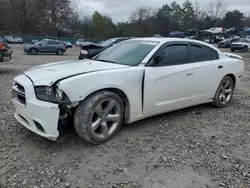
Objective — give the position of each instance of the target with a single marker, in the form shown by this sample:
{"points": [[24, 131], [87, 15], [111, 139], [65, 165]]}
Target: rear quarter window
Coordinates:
{"points": [[214, 54], [203, 53]]}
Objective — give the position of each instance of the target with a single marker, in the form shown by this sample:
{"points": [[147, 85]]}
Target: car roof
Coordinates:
{"points": [[173, 39]]}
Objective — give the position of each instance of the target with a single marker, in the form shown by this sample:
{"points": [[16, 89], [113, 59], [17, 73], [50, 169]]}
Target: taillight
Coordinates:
{"points": [[2, 46]]}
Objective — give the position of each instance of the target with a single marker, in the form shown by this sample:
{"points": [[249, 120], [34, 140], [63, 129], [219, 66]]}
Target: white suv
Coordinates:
{"points": [[17, 40], [216, 30], [243, 44]]}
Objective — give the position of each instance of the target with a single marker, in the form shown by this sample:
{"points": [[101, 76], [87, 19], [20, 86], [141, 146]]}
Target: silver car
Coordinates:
{"points": [[45, 46]]}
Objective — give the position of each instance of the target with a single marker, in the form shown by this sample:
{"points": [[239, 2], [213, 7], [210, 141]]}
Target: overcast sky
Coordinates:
{"points": [[119, 10]]}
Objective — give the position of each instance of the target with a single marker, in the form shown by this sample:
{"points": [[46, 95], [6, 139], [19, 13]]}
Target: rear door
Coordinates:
{"points": [[53, 46], [206, 72]]}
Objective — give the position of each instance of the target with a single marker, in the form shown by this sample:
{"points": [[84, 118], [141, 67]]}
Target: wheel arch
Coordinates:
{"points": [[33, 48], [121, 94], [233, 77]]}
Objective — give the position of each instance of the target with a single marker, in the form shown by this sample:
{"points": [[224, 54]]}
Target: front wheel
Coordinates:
{"points": [[232, 50], [99, 117], [245, 49], [224, 92], [33, 51]]}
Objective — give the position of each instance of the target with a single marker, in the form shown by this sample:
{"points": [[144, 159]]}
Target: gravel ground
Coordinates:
{"points": [[198, 147]]}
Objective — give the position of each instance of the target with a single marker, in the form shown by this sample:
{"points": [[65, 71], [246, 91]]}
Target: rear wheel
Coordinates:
{"points": [[99, 117], [33, 51], [224, 92], [59, 52], [232, 50], [1, 58]]}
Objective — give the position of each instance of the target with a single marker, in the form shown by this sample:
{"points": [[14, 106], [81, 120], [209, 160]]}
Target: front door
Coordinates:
{"points": [[43, 46], [168, 84]]}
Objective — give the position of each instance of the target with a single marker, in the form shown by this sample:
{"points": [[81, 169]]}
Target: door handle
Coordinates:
{"points": [[220, 67], [189, 73]]}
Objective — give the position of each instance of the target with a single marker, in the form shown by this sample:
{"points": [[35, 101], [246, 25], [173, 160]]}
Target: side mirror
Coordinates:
{"points": [[40, 44], [157, 59]]}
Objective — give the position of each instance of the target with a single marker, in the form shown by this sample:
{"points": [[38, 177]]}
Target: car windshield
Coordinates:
{"points": [[108, 42], [130, 52], [227, 40], [42, 42]]}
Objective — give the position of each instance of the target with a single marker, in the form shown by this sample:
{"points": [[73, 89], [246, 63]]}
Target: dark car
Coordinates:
{"points": [[45, 46], [5, 49], [89, 49], [227, 42]]}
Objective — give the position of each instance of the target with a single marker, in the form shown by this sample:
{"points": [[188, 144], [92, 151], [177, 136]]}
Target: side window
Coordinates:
{"points": [[53, 42], [175, 55], [214, 54], [200, 53]]}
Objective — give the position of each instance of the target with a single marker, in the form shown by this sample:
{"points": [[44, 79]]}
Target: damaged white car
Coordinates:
{"points": [[132, 80]]}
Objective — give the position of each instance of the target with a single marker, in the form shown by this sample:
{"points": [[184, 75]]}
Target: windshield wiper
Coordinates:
{"points": [[106, 61]]}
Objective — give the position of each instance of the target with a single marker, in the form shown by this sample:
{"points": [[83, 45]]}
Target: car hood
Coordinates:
{"points": [[91, 44], [238, 43], [224, 42], [50, 73]]}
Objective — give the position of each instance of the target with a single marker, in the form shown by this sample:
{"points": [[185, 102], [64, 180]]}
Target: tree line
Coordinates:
{"points": [[59, 18]]}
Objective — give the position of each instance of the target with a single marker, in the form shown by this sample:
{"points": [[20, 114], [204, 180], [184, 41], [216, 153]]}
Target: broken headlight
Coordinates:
{"points": [[51, 94], [84, 52]]}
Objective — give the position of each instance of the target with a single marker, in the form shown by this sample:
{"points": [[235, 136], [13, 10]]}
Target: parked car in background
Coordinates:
{"points": [[45, 46], [9, 39], [227, 42], [89, 49], [176, 34], [79, 42], [67, 44], [18, 40], [157, 35], [242, 44], [5, 50], [216, 30], [130, 81]]}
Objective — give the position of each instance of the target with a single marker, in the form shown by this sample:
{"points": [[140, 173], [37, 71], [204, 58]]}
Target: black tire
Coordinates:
{"points": [[84, 116], [1, 58], [244, 49], [232, 50], [33, 51], [217, 101], [59, 52]]}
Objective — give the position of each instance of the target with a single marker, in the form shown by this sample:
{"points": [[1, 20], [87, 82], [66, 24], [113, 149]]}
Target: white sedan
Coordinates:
{"points": [[130, 81]]}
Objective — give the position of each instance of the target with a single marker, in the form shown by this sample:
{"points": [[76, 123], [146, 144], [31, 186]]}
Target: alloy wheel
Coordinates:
{"points": [[105, 118], [226, 92]]}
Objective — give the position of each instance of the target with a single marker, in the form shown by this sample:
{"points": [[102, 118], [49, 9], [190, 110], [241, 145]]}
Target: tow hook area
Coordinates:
{"points": [[65, 119]]}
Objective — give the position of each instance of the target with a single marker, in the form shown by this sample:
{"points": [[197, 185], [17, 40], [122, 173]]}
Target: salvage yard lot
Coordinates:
{"points": [[198, 147]]}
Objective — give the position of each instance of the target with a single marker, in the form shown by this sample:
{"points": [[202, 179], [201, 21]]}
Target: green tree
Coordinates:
{"points": [[188, 19], [233, 19], [102, 26]]}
